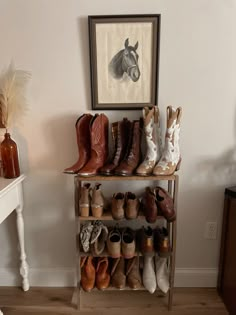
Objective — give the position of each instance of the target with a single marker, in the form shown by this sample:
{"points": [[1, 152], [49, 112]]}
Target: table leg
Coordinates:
{"points": [[24, 269]]}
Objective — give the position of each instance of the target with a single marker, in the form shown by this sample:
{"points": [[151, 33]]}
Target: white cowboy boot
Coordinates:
{"points": [[162, 275], [170, 159], [149, 277], [151, 118]]}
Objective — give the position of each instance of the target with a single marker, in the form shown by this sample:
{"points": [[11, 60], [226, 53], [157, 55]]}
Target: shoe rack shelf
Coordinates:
{"points": [[172, 180]]}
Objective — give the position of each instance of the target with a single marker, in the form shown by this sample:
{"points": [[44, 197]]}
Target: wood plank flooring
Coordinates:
{"points": [[56, 301]]}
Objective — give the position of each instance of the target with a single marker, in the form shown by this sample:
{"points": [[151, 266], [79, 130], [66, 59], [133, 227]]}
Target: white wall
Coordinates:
{"points": [[197, 71]]}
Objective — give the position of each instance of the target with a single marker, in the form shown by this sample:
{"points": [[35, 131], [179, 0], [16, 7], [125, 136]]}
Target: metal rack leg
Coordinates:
{"points": [[173, 242], [77, 185]]}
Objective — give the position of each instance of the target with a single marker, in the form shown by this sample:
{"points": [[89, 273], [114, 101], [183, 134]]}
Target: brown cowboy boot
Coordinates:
{"points": [[133, 154], [83, 142], [99, 145], [119, 136]]}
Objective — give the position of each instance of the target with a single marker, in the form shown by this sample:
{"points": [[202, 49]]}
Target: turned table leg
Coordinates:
{"points": [[24, 269]]}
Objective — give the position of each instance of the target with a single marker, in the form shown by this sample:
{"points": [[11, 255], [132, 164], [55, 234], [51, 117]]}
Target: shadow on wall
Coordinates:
{"points": [[60, 143], [23, 150], [221, 169], [84, 57]]}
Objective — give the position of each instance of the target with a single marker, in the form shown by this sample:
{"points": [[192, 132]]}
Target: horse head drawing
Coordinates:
{"points": [[125, 61]]}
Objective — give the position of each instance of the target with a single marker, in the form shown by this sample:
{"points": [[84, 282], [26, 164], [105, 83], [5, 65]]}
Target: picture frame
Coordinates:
{"points": [[124, 60]]}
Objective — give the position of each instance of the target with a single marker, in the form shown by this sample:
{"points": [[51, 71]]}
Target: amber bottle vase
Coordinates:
{"points": [[9, 155]]}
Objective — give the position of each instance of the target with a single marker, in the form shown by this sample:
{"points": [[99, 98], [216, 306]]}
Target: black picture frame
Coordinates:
{"points": [[113, 50]]}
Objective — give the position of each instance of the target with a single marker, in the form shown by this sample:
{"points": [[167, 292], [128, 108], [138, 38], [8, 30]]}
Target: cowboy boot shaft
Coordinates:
{"points": [[133, 153], [99, 139], [119, 131], [153, 140], [122, 140], [83, 142], [152, 134], [99, 145], [171, 158]]}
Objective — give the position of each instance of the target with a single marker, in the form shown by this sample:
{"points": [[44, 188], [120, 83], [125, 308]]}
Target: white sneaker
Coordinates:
{"points": [[162, 275], [149, 277]]}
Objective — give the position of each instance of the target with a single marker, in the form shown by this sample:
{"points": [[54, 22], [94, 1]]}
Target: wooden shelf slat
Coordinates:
{"points": [[108, 217], [124, 178]]}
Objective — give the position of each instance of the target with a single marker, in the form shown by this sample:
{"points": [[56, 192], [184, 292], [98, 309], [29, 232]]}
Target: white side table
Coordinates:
{"points": [[11, 198]]}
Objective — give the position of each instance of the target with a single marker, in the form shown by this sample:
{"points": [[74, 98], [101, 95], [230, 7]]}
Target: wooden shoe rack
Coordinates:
{"points": [[172, 182]]}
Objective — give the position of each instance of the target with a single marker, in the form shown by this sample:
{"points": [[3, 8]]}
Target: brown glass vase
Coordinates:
{"points": [[9, 155]]}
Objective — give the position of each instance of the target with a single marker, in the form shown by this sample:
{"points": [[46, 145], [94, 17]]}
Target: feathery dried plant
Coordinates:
{"points": [[13, 103]]}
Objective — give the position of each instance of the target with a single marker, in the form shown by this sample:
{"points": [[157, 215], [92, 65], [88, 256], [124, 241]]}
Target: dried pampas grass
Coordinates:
{"points": [[13, 103]]}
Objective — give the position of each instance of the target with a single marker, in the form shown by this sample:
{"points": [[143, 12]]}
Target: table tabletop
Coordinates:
{"points": [[6, 184]]}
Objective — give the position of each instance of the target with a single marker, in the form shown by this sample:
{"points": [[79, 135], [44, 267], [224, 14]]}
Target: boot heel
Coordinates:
{"points": [[97, 211], [84, 211]]}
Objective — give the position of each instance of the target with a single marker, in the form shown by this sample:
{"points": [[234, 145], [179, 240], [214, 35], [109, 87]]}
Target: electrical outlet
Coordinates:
{"points": [[211, 230]]}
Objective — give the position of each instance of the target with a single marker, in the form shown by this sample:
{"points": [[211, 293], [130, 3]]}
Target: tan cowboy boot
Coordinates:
{"points": [[152, 131], [170, 159], [118, 277], [133, 274]]}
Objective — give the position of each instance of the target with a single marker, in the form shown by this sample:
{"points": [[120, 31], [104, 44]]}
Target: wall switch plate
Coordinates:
{"points": [[211, 231]]}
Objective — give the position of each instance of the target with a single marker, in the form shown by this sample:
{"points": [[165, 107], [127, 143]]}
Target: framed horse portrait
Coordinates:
{"points": [[124, 60]]}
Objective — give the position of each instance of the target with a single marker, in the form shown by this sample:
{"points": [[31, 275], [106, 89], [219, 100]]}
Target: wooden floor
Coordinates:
{"points": [[52, 301]]}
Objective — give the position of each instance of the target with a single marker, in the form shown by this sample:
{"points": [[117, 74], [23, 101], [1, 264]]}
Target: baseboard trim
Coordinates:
{"points": [[198, 278], [65, 277]]}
